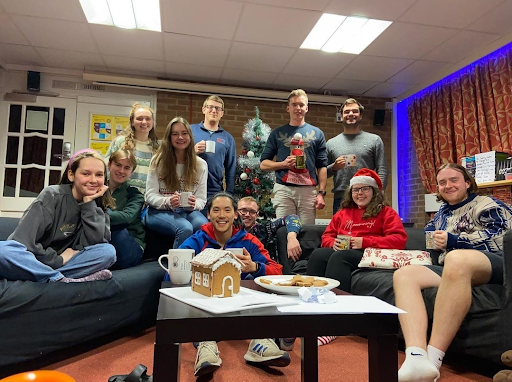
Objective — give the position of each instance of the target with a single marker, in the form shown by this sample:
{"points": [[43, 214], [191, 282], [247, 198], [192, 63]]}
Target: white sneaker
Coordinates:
{"points": [[207, 358], [266, 352]]}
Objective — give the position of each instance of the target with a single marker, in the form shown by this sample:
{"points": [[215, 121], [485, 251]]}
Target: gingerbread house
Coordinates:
{"points": [[216, 273]]}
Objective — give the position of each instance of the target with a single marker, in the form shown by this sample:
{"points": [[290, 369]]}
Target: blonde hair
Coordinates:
{"points": [[298, 93], [106, 201], [249, 199], [129, 141], [165, 160], [214, 98], [123, 154]]}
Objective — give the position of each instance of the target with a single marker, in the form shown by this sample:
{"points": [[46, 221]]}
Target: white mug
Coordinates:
{"points": [[236, 251], [184, 199], [179, 268], [210, 146]]}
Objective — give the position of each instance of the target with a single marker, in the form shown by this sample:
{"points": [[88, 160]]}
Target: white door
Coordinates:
{"points": [[31, 142]]}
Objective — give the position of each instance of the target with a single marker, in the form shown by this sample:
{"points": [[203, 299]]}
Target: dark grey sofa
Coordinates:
{"points": [[36, 319], [485, 333]]}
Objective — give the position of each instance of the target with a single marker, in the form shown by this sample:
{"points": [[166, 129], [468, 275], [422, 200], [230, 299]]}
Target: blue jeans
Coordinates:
{"points": [[336, 203], [180, 223], [17, 263], [129, 252]]}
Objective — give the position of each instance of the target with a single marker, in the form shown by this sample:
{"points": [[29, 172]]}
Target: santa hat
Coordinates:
{"points": [[366, 176]]}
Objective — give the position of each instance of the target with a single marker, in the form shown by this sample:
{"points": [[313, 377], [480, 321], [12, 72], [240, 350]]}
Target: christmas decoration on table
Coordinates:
{"points": [[251, 181]]}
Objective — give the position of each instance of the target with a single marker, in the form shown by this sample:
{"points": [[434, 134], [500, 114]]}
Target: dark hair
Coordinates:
{"points": [[351, 101], [372, 209], [222, 194], [473, 187]]}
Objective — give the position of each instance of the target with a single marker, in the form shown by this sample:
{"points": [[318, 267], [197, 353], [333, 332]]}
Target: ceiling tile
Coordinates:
{"points": [[9, 34], [372, 68], [459, 46], [497, 20], [292, 81], [402, 40], [20, 55], [57, 58], [315, 62], [317, 5], [377, 9], [258, 57], [195, 50], [180, 71], [53, 9], [134, 65], [418, 72], [201, 17], [58, 34], [263, 24], [453, 13], [343, 86], [249, 77], [388, 90], [128, 42]]}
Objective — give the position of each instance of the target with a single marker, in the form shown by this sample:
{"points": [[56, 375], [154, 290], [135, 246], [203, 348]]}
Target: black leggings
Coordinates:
{"points": [[337, 265]]}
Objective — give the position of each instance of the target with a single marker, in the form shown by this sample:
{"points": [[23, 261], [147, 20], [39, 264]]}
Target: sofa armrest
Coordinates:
{"points": [[7, 226], [507, 269]]}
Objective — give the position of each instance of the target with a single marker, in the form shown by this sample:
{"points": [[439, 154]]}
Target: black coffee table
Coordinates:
{"points": [[179, 323]]}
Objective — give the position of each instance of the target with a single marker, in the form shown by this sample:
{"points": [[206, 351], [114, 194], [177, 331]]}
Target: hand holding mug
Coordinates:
{"points": [[174, 200], [339, 163], [200, 147]]}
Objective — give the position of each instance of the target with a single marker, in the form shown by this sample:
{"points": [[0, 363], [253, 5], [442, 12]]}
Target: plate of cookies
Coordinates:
{"points": [[289, 284]]}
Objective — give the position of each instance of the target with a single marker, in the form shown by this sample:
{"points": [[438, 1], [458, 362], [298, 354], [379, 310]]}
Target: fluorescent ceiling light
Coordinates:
{"points": [[140, 14], [335, 33]]}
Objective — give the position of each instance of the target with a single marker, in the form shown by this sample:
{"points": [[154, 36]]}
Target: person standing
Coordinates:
{"points": [[141, 139], [221, 159], [297, 175], [368, 149]]}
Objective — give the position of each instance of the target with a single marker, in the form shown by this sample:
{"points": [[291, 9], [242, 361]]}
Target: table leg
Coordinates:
{"points": [[383, 358], [309, 359], [166, 364]]}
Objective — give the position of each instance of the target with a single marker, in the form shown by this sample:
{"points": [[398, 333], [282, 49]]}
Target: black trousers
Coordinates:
{"points": [[338, 265]]}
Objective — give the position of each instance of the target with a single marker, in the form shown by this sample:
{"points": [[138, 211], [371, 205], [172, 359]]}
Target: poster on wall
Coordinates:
{"points": [[100, 147], [107, 127]]}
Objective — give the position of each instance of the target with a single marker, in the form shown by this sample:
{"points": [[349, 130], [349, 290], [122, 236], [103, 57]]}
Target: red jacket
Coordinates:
{"points": [[382, 231]]}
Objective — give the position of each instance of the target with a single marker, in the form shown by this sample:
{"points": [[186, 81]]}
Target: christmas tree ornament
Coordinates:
{"points": [[256, 181], [250, 154], [247, 170], [243, 176], [258, 137], [247, 191], [244, 152]]}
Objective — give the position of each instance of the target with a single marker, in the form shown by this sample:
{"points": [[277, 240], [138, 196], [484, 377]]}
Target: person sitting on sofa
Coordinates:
{"points": [[126, 228], [176, 169], [223, 231], [468, 233], [367, 219], [63, 235]]}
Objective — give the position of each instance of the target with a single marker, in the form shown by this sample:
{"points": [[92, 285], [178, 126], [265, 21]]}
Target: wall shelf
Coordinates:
{"points": [[497, 183]]}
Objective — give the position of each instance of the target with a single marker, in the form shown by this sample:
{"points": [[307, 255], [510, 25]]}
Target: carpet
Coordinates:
{"points": [[344, 359]]}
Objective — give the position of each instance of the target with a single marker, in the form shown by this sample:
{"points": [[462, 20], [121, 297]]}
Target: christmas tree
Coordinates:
{"points": [[251, 181]]}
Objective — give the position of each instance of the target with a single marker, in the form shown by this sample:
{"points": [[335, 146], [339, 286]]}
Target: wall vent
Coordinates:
{"points": [[70, 85]]}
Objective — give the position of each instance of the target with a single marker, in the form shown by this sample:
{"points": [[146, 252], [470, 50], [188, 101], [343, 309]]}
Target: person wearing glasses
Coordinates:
{"points": [[367, 219], [220, 155], [367, 148], [248, 210]]}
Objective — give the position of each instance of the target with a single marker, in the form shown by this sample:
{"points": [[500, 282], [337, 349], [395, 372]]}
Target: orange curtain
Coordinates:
{"points": [[467, 113]]}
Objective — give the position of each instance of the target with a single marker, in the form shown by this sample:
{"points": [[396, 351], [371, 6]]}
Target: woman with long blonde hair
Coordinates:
{"points": [[176, 186], [141, 139]]}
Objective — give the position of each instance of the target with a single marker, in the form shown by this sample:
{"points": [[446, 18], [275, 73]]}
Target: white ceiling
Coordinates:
{"points": [[255, 43]]}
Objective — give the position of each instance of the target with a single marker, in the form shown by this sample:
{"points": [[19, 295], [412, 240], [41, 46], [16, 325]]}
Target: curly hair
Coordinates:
{"points": [[129, 133], [106, 201], [372, 209], [165, 160]]}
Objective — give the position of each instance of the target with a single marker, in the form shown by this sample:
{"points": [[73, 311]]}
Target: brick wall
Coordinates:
{"points": [[239, 111]]}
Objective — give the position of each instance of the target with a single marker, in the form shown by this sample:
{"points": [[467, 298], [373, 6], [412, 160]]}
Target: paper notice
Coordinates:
{"points": [[485, 167]]}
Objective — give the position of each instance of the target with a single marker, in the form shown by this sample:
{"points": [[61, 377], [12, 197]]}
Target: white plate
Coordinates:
{"points": [[290, 289]]}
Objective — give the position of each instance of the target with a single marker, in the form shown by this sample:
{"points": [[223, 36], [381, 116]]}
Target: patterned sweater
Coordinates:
{"points": [[479, 222]]}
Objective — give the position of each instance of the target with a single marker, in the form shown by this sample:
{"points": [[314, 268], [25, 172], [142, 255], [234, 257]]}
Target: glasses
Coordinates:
{"points": [[365, 189], [245, 211], [216, 108]]}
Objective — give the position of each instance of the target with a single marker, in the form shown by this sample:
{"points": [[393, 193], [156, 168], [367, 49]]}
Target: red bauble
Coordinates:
{"points": [[247, 170], [256, 181], [244, 152], [247, 191], [257, 137]]}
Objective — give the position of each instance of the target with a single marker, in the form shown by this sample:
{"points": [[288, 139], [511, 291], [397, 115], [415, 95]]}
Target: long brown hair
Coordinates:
{"points": [[165, 160], [106, 201], [129, 133], [473, 187], [372, 209]]}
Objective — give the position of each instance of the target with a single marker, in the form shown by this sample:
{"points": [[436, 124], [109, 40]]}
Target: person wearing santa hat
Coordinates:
{"points": [[367, 219]]}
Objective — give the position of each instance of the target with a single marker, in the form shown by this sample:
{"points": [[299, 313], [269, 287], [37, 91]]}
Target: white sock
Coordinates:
{"points": [[417, 367], [435, 356]]}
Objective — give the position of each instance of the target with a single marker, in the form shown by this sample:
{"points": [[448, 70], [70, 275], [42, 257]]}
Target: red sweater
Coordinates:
{"points": [[382, 231]]}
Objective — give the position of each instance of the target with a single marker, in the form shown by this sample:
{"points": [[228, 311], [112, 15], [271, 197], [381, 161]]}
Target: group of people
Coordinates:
{"points": [[94, 220]]}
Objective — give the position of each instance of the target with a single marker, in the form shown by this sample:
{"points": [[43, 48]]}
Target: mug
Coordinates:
{"points": [[350, 160], [178, 262], [344, 242], [184, 198], [210, 147], [429, 240], [236, 251]]}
